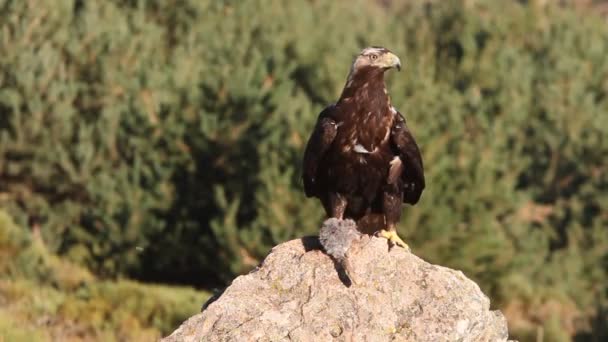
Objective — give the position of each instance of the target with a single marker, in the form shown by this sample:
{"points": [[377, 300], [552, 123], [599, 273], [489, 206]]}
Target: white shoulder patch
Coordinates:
{"points": [[360, 149]]}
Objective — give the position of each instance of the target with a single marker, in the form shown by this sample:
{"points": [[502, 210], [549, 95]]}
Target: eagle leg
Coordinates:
{"points": [[391, 205], [335, 205]]}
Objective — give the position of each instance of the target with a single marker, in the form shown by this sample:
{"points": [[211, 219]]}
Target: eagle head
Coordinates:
{"points": [[377, 58]]}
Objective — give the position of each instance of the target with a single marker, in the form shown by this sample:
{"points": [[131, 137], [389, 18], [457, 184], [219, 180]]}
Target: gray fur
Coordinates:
{"points": [[337, 235]]}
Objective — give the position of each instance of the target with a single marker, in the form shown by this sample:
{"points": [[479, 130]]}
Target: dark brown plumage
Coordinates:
{"points": [[361, 159]]}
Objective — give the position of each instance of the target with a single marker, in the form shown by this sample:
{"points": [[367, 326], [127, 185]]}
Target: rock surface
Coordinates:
{"points": [[296, 295]]}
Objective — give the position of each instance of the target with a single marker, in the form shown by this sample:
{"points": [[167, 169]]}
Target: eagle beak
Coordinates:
{"points": [[392, 61]]}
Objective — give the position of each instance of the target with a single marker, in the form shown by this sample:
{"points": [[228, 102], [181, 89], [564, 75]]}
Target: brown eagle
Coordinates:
{"points": [[361, 159]]}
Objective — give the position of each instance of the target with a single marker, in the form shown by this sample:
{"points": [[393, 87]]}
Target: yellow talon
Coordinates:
{"points": [[393, 238]]}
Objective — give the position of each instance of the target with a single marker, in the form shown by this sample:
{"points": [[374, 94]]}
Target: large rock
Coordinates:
{"points": [[296, 294]]}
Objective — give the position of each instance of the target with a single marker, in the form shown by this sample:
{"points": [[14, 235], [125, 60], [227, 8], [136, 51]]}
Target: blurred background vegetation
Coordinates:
{"points": [[159, 142]]}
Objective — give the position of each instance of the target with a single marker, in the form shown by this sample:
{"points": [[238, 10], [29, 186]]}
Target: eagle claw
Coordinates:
{"points": [[393, 239]]}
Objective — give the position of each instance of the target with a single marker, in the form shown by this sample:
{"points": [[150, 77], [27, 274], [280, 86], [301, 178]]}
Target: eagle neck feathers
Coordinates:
{"points": [[365, 110], [366, 89]]}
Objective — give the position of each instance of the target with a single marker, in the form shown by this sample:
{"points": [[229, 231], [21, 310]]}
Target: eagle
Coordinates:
{"points": [[361, 159]]}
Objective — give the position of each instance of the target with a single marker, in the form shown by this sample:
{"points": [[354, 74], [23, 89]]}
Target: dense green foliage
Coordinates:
{"points": [[46, 298], [162, 140]]}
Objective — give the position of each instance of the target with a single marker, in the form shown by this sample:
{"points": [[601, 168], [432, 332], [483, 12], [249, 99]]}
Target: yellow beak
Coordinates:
{"points": [[390, 60]]}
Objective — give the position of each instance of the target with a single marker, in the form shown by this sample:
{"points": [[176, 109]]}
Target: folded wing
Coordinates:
{"points": [[318, 144], [412, 171]]}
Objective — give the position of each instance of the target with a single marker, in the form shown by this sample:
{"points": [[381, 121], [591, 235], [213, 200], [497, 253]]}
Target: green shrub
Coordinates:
{"points": [[47, 297], [14, 332]]}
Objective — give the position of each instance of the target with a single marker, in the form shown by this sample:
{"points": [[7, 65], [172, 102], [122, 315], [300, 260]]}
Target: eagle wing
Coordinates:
{"points": [[320, 140], [412, 171]]}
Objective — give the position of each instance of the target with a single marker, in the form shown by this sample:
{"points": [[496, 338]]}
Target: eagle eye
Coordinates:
{"points": [[373, 57]]}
